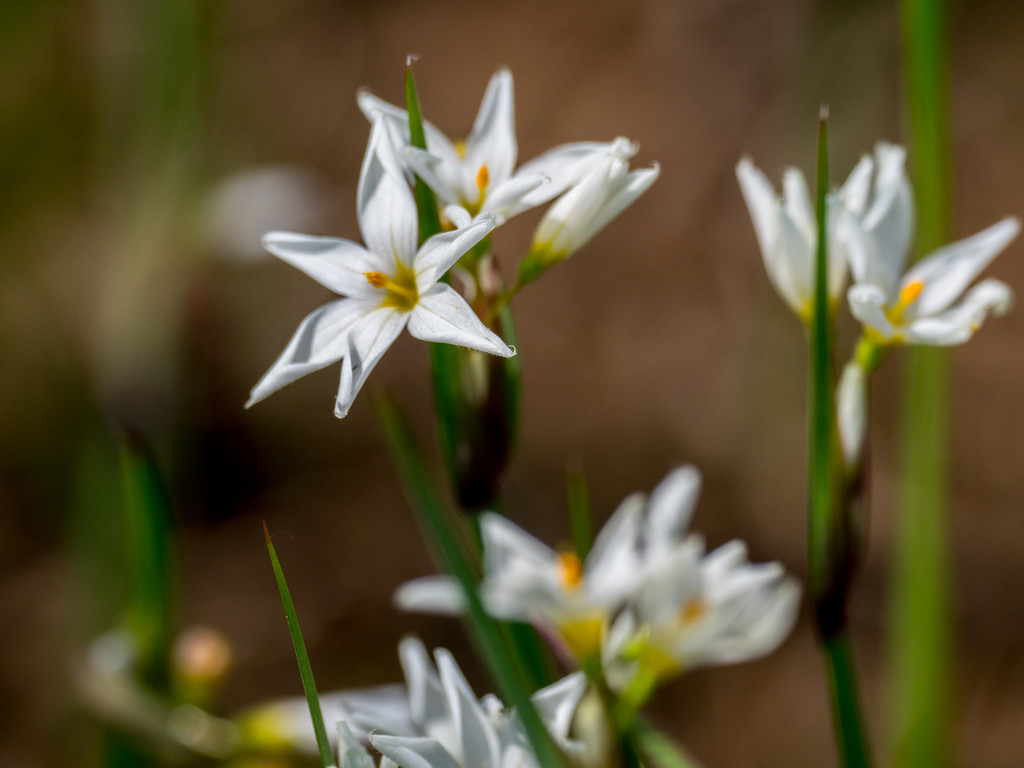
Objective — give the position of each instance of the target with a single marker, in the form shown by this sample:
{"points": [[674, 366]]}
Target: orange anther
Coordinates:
{"points": [[693, 610], [377, 279], [570, 569], [910, 292], [483, 178]]}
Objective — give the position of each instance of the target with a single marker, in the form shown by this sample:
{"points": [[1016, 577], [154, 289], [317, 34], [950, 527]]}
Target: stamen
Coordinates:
{"points": [[460, 148], [570, 570], [483, 178], [693, 610], [377, 279], [910, 292]]}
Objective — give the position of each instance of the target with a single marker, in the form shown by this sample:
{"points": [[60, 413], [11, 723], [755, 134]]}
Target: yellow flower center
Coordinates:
{"points": [[908, 295], [693, 610], [460, 148], [583, 635], [399, 290]]}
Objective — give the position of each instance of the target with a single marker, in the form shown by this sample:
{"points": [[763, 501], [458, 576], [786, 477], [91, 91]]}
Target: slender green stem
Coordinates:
{"points": [[921, 643], [831, 551], [846, 713]]}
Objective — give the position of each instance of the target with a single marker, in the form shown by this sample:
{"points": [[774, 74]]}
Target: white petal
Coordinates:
{"points": [[458, 216], [611, 567], [890, 219], [505, 542], [427, 700], [386, 210], [431, 594], [413, 753], [851, 412], [384, 707], [867, 304], [510, 198], [670, 507], [637, 182], [434, 172], [763, 206], [567, 164], [945, 273], [442, 315], [398, 121], [351, 753], [320, 340], [797, 203], [368, 340], [556, 704], [477, 739], [854, 193], [492, 142], [957, 324], [791, 266], [440, 252], [340, 265]]}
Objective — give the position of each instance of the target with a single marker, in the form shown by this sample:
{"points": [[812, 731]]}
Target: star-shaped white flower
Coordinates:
{"points": [[479, 174], [446, 726], [696, 610], [787, 230], [571, 601], [920, 306], [387, 286]]}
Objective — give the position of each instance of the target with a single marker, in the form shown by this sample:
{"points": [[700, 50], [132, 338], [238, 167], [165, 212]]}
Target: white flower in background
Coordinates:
{"points": [[787, 230], [920, 306], [852, 411], [697, 610], [574, 601], [446, 726], [387, 286], [479, 174], [607, 189]]}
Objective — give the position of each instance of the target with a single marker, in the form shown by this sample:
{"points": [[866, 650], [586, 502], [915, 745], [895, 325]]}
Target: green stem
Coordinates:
{"points": [[921, 643], [831, 552], [846, 715]]}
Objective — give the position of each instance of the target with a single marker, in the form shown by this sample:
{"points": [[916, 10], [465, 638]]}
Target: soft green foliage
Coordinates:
{"points": [[921, 653], [305, 668], [449, 548]]}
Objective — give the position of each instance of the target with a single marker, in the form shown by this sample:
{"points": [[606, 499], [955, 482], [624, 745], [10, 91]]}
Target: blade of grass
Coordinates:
{"points": [[437, 526], [426, 202], [829, 550], [305, 668], [921, 643], [148, 526], [580, 523]]}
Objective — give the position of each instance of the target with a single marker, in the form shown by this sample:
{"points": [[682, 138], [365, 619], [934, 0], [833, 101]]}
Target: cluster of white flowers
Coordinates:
{"points": [[647, 602], [442, 724], [391, 284], [870, 225]]}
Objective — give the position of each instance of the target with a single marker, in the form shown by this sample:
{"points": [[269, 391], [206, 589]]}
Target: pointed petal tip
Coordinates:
{"points": [[411, 58]]}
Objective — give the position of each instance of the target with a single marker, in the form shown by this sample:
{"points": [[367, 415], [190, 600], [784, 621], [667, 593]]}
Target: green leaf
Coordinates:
{"points": [[449, 548], [658, 749], [831, 552], [305, 668], [426, 202], [580, 522], [149, 530]]}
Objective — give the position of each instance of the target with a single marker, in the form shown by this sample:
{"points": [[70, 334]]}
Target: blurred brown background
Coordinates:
{"points": [[145, 146]]}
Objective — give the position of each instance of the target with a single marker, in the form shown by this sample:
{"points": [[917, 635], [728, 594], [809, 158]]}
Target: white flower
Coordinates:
{"points": [[852, 411], [479, 174], [446, 726], [574, 601], [387, 286], [918, 306], [787, 230], [696, 610], [607, 189]]}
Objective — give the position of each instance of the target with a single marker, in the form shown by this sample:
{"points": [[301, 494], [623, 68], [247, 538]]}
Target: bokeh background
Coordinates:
{"points": [[144, 148]]}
